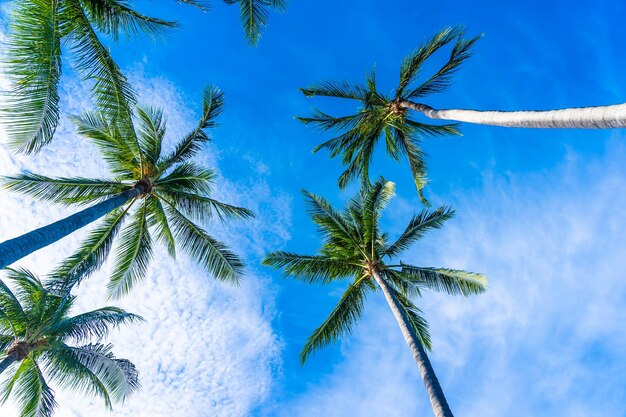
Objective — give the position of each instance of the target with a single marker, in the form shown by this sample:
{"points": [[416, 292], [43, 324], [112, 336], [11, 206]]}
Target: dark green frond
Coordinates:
{"points": [[412, 64], [31, 112], [115, 16], [93, 324], [418, 226], [150, 132], [112, 91], [188, 177], [132, 255], [118, 377], [92, 252], [340, 321], [157, 220], [121, 155], [415, 318], [66, 191], [34, 397], [451, 281], [310, 269], [202, 208], [339, 89], [443, 77], [212, 107], [254, 15], [202, 5], [216, 258]]}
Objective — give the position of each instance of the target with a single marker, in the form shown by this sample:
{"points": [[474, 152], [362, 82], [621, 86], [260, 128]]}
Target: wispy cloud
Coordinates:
{"points": [[206, 348], [548, 336]]}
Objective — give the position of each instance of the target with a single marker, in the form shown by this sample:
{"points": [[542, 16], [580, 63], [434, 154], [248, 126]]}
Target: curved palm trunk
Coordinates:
{"points": [[601, 117], [15, 249], [437, 398]]}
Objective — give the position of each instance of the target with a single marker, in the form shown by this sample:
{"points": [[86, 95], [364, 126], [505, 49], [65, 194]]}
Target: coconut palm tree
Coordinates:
{"points": [[162, 194], [37, 337], [355, 248], [392, 115], [39, 30]]}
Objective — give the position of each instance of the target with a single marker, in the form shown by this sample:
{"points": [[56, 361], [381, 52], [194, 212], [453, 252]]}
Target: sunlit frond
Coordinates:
{"points": [[66, 191], [340, 321], [311, 269], [450, 281], [31, 112]]}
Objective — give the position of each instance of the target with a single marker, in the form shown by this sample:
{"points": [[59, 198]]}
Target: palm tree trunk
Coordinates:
{"points": [[433, 388], [6, 362], [15, 249], [601, 117]]}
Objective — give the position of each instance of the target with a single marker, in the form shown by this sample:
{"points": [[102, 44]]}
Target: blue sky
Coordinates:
{"points": [[539, 211]]}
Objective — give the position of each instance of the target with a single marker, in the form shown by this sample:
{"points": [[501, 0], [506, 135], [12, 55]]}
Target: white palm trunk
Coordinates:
{"points": [[601, 117], [433, 388]]}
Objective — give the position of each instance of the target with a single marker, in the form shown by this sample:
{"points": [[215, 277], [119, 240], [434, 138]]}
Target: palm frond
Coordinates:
{"points": [[254, 15], [188, 177], [132, 255], [157, 220], [150, 129], [34, 397], [202, 208], [66, 191], [92, 252], [418, 226], [212, 107], [122, 157], [118, 376], [409, 69], [216, 258], [93, 324], [450, 281], [340, 321], [32, 110], [310, 269], [329, 220], [439, 81], [374, 202], [114, 16], [338, 89], [414, 316], [113, 93], [201, 5]]}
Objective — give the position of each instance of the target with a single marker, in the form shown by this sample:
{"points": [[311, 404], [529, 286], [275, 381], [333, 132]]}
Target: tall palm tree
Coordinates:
{"points": [[355, 248], [161, 194], [37, 337], [39, 30], [392, 115]]}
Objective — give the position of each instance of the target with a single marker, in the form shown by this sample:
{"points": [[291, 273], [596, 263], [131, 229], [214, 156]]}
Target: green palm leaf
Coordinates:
{"points": [[450, 281], [132, 255], [340, 321], [310, 269], [62, 190], [216, 258], [34, 65]]}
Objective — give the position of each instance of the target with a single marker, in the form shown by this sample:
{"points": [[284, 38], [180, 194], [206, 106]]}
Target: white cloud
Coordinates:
{"points": [[548, 336], [206, 348]]}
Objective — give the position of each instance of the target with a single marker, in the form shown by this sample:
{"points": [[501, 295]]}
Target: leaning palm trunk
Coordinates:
{"points": [[437, 398], [15, 249], [601, 117]]}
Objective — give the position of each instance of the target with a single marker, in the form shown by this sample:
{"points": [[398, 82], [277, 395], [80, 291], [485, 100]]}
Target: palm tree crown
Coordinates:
{"points": [[37, 337], [354, 247], [173, 193], [382, 115], [39, 30]]}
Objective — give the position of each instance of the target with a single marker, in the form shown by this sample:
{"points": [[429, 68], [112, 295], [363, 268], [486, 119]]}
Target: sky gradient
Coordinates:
{"points": [[540, 212]]}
